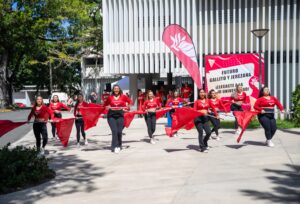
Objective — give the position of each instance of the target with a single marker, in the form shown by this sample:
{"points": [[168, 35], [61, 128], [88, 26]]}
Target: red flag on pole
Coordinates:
{"points": [[64, 129], [91, 115], [243, 118], [128, 117], [181, 44], [162, 112], [8, 125], [182, 117]]}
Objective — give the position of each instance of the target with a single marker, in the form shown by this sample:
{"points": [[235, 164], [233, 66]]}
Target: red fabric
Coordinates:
{"points": [[7, 125], [91, 115], [79, 106], [240, 97], [58, 106], [204, 105], [64, 129], [44, 113], [141, 99], [218, 104], [190, 125], [243, 118], [181, 44], [148, 104], [128, 117], [162, 112], [263, 102], [182, 117], [175, 102], [186, 92], [104, 97], [122, 101]]}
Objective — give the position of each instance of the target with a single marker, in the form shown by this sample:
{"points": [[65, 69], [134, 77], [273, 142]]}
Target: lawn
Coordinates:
{"points": [[281, 124]]}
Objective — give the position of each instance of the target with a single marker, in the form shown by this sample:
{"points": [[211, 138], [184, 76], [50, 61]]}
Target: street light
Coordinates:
{"points": [[260, 33]]}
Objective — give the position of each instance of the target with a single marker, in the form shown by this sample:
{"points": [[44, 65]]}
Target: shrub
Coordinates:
{"points": [[21, 167], [296, 105]]}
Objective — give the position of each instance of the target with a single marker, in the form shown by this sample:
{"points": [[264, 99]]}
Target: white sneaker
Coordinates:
{"points": [[42, 151], [238, 131], [175, 135], [269, 143], [78, 144], [117, 150], [86, 142], [152, 141], [217, 138]]}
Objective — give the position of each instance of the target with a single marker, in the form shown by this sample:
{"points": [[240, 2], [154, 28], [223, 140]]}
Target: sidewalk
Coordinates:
{"points": [[171, 171]]}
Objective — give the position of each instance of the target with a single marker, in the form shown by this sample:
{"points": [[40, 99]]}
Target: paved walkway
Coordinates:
{"points": [[171, 171]]}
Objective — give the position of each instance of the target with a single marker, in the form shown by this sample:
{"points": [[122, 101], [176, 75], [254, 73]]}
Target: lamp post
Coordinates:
{"points": [[260, 33]]}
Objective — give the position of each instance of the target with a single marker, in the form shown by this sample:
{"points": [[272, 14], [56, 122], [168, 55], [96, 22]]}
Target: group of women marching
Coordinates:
{"points": [[117, 104]]}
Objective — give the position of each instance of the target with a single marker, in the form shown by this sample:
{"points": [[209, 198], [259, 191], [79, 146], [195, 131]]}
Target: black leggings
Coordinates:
{"points": [[150, 119], [40, 129], [202, 123], [116, 123], [216, 124], [269, 124], [79, 123], [53, 125], [236, 107]]}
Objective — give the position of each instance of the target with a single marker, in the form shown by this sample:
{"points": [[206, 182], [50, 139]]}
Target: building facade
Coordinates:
{"points": [[133, 36]]}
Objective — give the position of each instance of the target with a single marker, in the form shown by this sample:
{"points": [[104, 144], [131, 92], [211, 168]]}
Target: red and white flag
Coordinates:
{"points": [[181, 44]]}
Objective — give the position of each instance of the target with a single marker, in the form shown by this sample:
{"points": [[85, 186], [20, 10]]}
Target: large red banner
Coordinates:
{"points": [[224, 72]]}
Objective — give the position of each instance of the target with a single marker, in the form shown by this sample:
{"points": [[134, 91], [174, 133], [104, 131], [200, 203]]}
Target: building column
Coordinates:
{"points": [[133, 87], [148, 82]]}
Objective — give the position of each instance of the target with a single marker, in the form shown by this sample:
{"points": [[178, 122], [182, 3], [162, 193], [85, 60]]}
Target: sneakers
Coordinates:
{"points": [[78, 144], [117, 150], [86, 142], [204, 150], [269, 143], [42, 152], [175, 135], [215, 137], [238, 131], [152, 141]]}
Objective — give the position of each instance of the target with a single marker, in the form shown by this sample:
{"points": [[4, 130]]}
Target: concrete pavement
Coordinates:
{"points": [[172, 171]]}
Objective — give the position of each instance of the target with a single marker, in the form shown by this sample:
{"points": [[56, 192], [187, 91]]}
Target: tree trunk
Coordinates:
{"points": [[4, 101]]}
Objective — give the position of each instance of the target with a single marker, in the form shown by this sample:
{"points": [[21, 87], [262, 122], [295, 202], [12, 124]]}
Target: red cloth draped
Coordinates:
{"points": [[243, 118], [7, 125], [162, 112], [91, 115], [64, 129], [182, 117], [128, 117]]}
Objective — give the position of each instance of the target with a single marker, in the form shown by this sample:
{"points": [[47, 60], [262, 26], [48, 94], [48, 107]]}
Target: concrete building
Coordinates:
{"points": [[133, 32]]}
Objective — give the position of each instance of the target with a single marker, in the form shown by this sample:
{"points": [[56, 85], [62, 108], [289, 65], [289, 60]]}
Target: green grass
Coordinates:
{"points": [[281, 124]]}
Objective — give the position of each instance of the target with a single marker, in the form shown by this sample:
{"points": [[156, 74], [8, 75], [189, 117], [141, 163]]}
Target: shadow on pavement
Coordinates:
{"points": [[290, 131], [73, 175], [255, 143], [287, 186], [235, 146]]}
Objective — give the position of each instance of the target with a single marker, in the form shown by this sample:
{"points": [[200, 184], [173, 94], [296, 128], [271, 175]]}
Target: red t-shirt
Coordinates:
{"points": [[104, 97], [121, 102], [204, 105], [58, 106], [240, 97], [175, 102], [217, 104], [148, 104], [80, 105], [169, 96], [186, 92], [44, 113], [141, 97], [263, 102]]}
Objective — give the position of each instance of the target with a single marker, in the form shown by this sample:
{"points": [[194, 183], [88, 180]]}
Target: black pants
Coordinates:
{"points": [[236, 107], [116, 123], [79, 123], [269, 124], [53, 125], [150, 119], [202, 123], [40, 129], [216, 124]]}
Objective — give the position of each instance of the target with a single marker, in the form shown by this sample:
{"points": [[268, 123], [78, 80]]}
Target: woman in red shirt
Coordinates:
{"points": [[238, 98], [79, 123], [265, 104], [202, 105], [41, 115], [218, 106], [150, 106], [116, 104], [56, 106]]}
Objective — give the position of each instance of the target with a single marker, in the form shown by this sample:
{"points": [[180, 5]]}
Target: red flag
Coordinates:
{"points": [[243, 118], [91, 115], [64, 129], [182, 117], [162, 112], [128, 117], [181, 44], [7, 125]]}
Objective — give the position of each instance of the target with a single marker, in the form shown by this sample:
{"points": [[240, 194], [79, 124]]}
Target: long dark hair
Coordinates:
{"points": [[35, 100], [210, 93], [199, 94], [261, 92], [77, 100], [53, 98], [112, 91]]}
